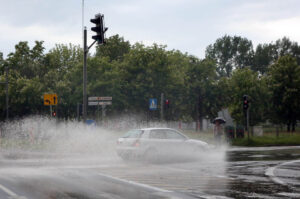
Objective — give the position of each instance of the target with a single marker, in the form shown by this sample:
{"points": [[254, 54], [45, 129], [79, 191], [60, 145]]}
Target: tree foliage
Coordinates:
{"points": [[230, 53], [131, 74], [284, 82]]}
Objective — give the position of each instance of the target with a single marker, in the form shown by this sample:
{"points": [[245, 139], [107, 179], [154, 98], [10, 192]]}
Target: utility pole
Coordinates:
{"points": [[161, 107]]}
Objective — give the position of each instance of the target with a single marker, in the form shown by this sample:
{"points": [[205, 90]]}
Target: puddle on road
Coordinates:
{"points": [[248, 168]]}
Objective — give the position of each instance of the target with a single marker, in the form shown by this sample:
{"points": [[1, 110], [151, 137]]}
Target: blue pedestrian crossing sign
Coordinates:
{"points": [[152, 104]]}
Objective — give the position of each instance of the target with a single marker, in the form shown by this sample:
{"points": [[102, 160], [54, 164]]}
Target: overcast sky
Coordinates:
{"points": [[185, 25]]}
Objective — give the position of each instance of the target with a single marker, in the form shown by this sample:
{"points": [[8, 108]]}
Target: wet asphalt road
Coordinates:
{"points": [[232, 173]]}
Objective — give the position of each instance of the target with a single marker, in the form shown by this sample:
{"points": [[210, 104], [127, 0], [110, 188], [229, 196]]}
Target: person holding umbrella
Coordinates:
{"points": [[218, 129]]}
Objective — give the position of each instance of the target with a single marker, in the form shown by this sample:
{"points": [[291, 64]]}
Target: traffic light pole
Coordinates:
{"points": [[85, 51], [248, 119], [99, 38]]}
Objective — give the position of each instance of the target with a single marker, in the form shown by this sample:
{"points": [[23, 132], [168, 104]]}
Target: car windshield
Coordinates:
{"points": [[135, 133]]}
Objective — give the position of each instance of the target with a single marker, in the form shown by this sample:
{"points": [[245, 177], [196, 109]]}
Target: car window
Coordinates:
{"points": [[157, 134], [133, 134], [174, 135]]}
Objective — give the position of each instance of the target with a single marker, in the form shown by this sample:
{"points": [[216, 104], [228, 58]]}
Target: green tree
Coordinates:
{"points": [[284, 82], [115, 48], [248, 82], [286, 47], [25, 61], [230, 53], [268, 54], [64, 77], [104, 80], [264, 56], [200, 79], [1, 63], [145, 73]]}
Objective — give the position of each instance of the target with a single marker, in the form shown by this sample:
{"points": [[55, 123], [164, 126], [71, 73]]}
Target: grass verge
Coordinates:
{"points": [[269, 140]]}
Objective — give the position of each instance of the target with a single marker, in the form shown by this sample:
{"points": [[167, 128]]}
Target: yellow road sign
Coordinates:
{"points": [[50, 99]]}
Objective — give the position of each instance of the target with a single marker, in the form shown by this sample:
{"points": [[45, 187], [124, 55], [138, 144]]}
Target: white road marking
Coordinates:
{"points": [[11, 194], [135, 183], [292, 195], [270, 172]]}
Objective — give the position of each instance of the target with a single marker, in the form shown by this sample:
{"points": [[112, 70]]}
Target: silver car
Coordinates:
{"points": [[158, 143]]}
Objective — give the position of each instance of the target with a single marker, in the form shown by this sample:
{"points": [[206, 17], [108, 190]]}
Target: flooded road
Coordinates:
{"points": [[232, 173], [270, 172]]}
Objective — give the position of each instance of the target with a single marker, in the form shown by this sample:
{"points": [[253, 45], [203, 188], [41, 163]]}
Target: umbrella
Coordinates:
{"points": [[220, 120]]}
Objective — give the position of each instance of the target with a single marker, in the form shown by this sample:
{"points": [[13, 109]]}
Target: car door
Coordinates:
{"points": [[176, 142], [157, 142]]}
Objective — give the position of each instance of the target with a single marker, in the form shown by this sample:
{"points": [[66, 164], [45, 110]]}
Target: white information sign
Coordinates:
{"points": [[100, 98], [99, 103]]}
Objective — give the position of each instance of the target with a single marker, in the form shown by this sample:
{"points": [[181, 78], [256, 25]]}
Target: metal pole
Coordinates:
{"points": [[162, 107], [6, 88], [50, 110], [103, 111], [98, 116], [84, 105], [246, 127], [248, 120], [77, 111]]}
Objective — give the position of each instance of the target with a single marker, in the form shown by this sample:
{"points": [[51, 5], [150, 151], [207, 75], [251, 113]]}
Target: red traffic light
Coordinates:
{"points": [[167, 103], [53, 113], [245, 102]]}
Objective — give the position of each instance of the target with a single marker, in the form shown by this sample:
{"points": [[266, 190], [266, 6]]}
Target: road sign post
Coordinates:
{"points": [[50, 110], [161, 107], [50, 100], [152, 104], [100, 101]]}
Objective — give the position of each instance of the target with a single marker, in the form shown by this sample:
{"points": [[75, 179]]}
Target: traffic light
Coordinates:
{"points": [[245, 102], [99, 29], [54, 114], [167, 104]]}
